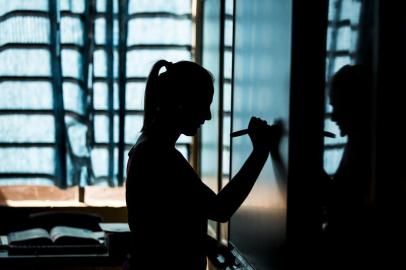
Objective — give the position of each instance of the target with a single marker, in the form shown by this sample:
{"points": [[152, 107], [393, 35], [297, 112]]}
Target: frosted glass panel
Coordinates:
{"points": [[135, 96], [140, 62], [27, 160], [76, 6], [7, 5], [159, 31], [178, 6], [332, 160], [72, 29], [101, 127], [71, 63], [25, 62], [133, 124], [24, 30], [73, 97], [27, 128], [27, 95]]}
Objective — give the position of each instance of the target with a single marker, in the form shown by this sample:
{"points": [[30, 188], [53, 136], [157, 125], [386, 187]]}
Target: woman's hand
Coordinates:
{"points": [[263, 136], [259, 134]]}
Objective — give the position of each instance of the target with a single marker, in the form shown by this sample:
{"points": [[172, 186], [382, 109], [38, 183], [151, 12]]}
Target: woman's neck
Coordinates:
{"points": [[166, 136]]}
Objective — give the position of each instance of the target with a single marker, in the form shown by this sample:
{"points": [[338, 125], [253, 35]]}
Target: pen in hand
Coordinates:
{"points": [[246, 131]]}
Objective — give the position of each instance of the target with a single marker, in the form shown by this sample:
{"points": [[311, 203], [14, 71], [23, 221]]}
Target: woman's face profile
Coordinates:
{"points": [[195, 112]]}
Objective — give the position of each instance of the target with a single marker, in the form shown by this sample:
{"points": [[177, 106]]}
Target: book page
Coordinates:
{"points": [[31, 236], [115, 227], [72, 235]]}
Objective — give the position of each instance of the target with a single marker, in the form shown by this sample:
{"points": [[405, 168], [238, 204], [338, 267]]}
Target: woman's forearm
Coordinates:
{"points": [[236, 191]]}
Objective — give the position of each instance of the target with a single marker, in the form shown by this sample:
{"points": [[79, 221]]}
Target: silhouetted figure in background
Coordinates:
{"points": [[168, 204], [350, 230]]}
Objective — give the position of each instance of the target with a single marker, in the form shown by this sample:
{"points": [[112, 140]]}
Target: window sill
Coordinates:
{"points": [[50, 196]]}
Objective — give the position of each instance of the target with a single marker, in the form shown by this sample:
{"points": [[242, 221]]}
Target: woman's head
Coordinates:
{"points": [[179, 97], [351, 98]]}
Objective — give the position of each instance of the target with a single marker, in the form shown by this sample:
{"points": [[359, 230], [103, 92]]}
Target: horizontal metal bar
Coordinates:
{"points": [[343, 23], [38, 79], [25, 46], [26, 144], [26, 175], [127, 145], [127, 112], [24, 13], [41, 46], [68, 13], [146, 15], [335, 146], [226, 113], [25, 78], [341, 53], [128, 79], [188, 47], [159, 47], [228, 48]]}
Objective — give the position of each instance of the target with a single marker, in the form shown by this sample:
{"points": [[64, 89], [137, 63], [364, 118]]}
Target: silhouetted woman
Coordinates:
{"points": [[350, 223], [168, 204]]}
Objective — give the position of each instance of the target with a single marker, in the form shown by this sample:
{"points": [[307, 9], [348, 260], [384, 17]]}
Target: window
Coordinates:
{"points": [[72, 77], [342, 39]]}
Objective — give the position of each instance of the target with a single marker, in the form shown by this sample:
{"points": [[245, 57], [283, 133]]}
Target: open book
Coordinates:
{"points": [[59, 235], [58, 240]]}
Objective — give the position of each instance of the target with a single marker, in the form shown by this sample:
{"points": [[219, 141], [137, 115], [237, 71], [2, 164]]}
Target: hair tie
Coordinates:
{"points": [[168, 65]]}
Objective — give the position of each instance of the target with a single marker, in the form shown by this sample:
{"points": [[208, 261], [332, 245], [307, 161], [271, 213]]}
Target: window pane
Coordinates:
{"points": [[140, 62], [133, 124], [7, 6], [159, 31], [27, 128], [72, 30], [27, 160], [77, 134], [183, 150], [22, 62], [227, 97], [100, 96], [178, 7], [76, 6], [25, 95], [100, 164], [228, 32], [71, 63], [101, 128], [24, 30], [134, 98], [228, 57], [73, 97]]}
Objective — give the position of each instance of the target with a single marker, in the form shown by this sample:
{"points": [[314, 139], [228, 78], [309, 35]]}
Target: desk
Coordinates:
{"points": [[114, 258], [56, 262]]}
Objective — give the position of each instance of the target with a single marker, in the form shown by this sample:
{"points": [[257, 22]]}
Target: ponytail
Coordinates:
{"points": [[150, 97]]}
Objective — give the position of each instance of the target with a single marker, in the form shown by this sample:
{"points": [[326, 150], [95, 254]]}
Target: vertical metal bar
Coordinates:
{"points": [[56, 67], [122, 54], [221, 96], [88, 27], [232, 100], [110, 87], [221, 105], [198, 24], [89, 82]]}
